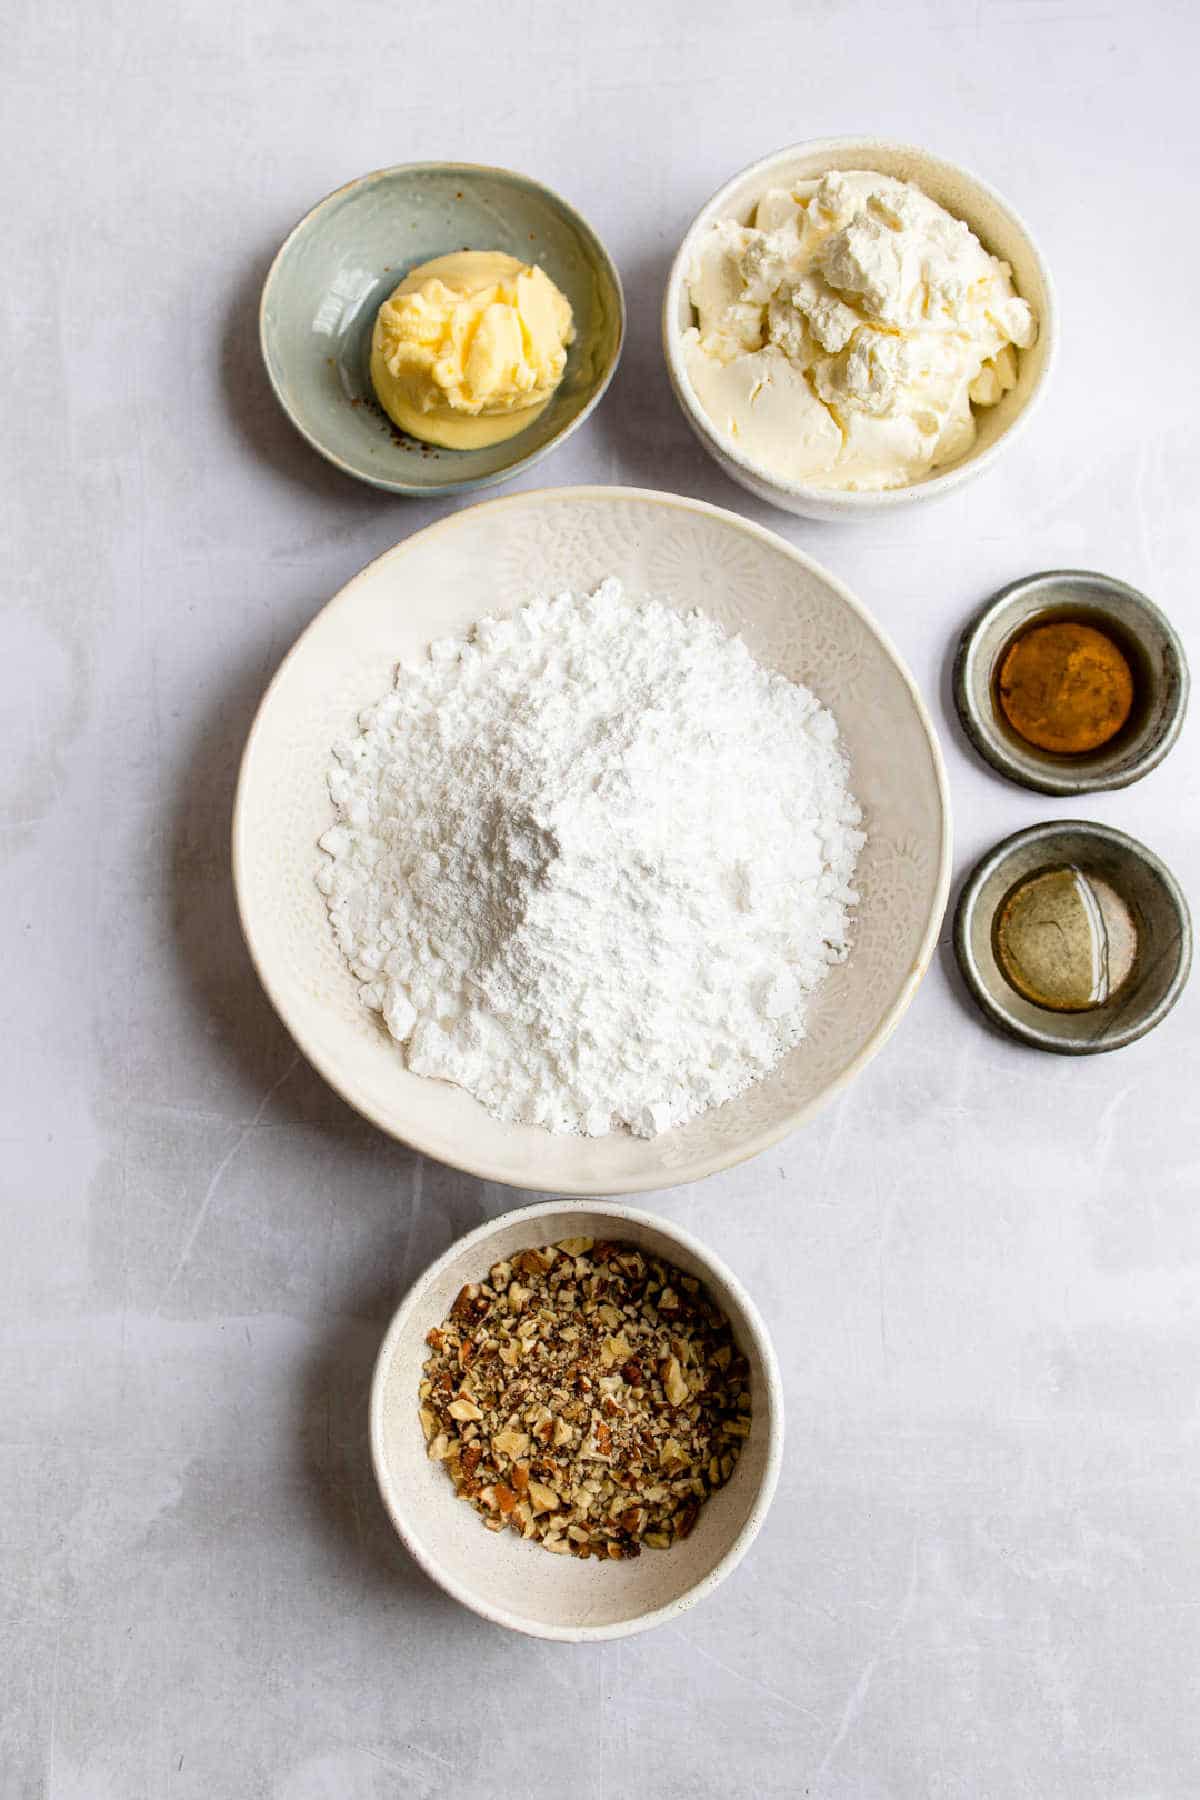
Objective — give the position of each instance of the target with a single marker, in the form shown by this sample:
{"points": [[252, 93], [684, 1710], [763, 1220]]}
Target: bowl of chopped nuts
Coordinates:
{"points": [[588, 1382]]}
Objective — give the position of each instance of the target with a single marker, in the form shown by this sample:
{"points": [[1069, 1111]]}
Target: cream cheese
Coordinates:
{"points": [[843, 338]]}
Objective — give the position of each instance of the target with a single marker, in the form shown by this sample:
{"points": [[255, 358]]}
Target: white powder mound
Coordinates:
{"points": [[591, 861]]}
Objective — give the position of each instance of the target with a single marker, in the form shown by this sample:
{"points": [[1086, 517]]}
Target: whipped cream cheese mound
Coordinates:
{"points": [[844, 336]]}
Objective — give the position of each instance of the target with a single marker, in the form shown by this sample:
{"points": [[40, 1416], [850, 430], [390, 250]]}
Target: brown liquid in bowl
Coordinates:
{"points": [[1065, 686]]}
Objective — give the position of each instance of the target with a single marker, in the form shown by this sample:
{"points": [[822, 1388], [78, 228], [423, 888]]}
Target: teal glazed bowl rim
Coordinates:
{"points": [[459, 484]]}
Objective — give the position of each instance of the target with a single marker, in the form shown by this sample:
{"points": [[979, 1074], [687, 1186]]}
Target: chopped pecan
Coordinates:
{"points": [[470, 1459], [686, 1518], [470, 1306], [589, 1396]]}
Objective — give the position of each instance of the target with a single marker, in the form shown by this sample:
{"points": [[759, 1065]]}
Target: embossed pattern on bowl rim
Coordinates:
{"points": [[794, 616]]}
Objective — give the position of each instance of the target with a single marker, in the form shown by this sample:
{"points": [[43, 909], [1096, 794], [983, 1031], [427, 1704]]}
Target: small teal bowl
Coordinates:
{"points": [[344, 258]]}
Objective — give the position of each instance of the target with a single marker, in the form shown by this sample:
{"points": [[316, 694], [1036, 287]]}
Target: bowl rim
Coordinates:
{"points": [[838, 500], [1051, 777], [1030, 1035], [768, 1481], [464, 485], [698, 1168]]}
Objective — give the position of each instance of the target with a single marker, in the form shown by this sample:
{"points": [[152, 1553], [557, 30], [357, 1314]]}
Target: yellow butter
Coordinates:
{"points": [[469, 348]]}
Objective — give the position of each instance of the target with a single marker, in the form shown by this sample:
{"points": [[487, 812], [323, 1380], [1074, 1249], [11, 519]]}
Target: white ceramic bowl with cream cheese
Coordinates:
{"points": [[498, 1575], [962, 194]]}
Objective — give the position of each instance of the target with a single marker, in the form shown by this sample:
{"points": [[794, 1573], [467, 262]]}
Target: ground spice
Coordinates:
{"points": [[1065, 686]]}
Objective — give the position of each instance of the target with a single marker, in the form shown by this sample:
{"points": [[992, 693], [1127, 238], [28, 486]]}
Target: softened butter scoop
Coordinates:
{"points": [[469, 348]]}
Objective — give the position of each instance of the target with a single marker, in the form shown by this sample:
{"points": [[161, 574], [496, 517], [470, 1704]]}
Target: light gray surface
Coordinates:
{"points": [[982, 1573]]}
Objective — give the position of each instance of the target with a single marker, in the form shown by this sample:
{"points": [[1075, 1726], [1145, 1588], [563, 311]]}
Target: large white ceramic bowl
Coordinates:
{"points": [[794, 616], [994, 222], [519, 1584]]}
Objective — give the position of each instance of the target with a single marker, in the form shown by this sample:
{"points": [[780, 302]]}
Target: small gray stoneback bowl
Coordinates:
{"points": [[347, 255]]}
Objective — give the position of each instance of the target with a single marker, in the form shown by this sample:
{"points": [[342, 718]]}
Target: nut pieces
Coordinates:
{"points": [[588, 1396]]}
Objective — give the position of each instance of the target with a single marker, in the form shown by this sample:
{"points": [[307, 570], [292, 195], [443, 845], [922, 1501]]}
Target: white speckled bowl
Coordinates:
{"points": [[1000, 230], [793, 615], [519, 1584]]}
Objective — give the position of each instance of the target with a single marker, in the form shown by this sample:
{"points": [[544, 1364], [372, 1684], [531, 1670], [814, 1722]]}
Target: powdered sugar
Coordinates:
{"points": [[591, 861]]}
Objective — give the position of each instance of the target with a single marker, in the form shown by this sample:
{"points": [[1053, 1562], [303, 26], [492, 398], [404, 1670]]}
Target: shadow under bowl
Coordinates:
{"points": [[346, 256]]}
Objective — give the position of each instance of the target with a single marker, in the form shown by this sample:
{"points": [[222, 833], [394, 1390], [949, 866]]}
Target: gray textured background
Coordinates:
{"points": [[981, 1576]]}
